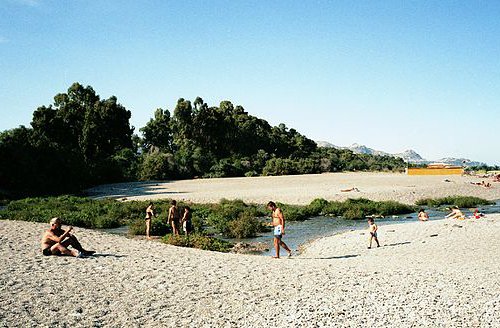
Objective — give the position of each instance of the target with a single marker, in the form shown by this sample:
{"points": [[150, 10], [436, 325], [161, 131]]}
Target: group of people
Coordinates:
{"points": [[56, 241], [175, 219]]}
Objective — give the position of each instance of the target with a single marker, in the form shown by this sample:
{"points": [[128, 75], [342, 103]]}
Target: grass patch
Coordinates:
{"points": [[198, 241], [460, 201], [349, 209]]}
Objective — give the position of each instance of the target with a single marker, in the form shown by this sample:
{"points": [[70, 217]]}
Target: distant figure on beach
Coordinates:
{"points": [[372, 228], [149, 216], [55, 241], [173, 217], [477, 214], [422, 216], [455, 214], [278, 222], [186, 221], [350, 189]]}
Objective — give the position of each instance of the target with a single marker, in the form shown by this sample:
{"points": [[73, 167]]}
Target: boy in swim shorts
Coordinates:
{"points": [[372, 228]]}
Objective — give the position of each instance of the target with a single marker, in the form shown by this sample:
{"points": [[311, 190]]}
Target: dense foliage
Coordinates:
{"points": [[82, 140], [199, 241], [460, 201], [349, 209]]}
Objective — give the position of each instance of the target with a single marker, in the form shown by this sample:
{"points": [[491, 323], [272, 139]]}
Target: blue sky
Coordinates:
{"points": [[392, 75]]}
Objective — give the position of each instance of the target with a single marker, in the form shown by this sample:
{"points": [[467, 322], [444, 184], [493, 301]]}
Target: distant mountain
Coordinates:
{"points": [[459, 161], [409, 155], [326, 144]]}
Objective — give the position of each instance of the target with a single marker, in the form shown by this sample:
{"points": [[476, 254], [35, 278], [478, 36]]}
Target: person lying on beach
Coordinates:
{"points": [[278, 222], [455, 214], [372, 228], [173, 217], [350, 189], [55, 241], [422, 216], [149, 215]]}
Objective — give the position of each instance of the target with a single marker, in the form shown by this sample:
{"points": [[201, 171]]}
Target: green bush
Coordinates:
{"points": [[245, 226], [159, 227], [198, 241], [76, 211], [460, 201], [360, 208]]}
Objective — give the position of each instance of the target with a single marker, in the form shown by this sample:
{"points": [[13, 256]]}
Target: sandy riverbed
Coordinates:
{"points": [[302, 189], [434, 274]]}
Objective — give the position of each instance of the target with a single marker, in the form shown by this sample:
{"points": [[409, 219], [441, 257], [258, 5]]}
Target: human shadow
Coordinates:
{"points": [[131, 189], [107, 255], [327, 258], [397, 244]]}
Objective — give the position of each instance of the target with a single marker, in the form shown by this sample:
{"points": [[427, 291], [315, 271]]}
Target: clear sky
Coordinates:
{"points": [[392, 75]]}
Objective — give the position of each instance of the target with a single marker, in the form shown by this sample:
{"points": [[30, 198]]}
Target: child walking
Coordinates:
{"points": [[373, 232]]}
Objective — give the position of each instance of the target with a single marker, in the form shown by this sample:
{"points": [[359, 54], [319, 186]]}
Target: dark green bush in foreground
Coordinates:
{"points": [[198, 241], [460, 201], [77, 211]]}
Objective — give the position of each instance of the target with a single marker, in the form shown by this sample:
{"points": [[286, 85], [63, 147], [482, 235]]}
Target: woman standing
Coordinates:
{"points": [[149, 215], [186, 221]]}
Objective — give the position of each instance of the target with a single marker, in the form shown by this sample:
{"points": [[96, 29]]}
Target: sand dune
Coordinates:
{"points": [[302, 189], [434, 274]]}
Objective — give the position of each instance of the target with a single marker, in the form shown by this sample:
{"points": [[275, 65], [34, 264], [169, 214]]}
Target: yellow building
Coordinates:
{"points": [[436, 169]]}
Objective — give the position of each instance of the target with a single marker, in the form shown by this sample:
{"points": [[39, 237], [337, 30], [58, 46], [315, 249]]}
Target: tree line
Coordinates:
{"points": [[82, 140]]}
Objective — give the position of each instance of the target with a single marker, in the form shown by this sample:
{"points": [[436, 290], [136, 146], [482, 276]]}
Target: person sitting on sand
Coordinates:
{"points": [[173, 217], [372, 229], [149, 215], [55, 241], [186, 221], [477, 214], [422, 216], [455, 214], [278, 222]]}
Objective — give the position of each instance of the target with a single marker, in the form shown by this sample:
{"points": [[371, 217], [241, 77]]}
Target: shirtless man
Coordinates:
{"points": [[55, 241], [278, 222], [173, 217]]}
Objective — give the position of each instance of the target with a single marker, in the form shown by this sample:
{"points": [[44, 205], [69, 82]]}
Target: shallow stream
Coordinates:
{"points": [[301, 232]]}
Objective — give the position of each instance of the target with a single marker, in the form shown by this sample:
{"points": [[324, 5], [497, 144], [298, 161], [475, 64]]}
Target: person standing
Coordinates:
{"points": [[278, 222], [186, 221], [372, 228], [149, 216], [173, 217]]}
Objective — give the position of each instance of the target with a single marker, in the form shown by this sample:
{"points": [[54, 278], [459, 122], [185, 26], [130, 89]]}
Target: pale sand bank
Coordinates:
{"points": [[414, 280], [302, 189]]}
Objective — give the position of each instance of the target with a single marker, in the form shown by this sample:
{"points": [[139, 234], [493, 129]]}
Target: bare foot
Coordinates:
{"points": [[276, 257]]}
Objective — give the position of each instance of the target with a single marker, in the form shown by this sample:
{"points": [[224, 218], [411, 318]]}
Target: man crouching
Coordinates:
{"points": [[55, 241]]}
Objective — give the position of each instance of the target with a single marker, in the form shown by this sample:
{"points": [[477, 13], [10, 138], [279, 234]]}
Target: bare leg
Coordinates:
{"points": [[376, 240], [148, 228], [60, 249], [277, 247], [73, 241], [289, 251], [175, 231], [371, 237]]}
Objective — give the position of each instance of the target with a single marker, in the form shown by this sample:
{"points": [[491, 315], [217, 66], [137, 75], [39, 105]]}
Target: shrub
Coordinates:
{"points": [[244, 226], [76, 211], [460, 201]]}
